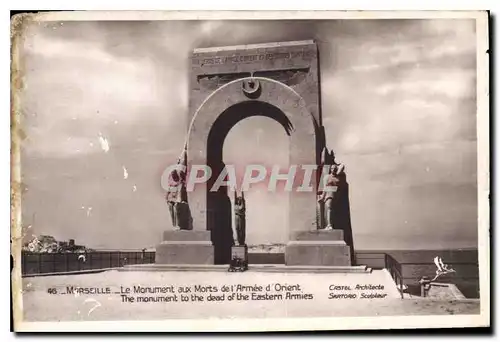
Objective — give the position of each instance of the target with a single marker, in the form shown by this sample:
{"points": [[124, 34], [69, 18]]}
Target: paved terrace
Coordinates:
{"points": [[40, 305]]}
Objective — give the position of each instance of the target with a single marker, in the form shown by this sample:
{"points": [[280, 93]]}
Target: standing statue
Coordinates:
{"points": [[339, 167], [328, 158], [174, 197], [328, 199], [177, 196], [239, 212]]}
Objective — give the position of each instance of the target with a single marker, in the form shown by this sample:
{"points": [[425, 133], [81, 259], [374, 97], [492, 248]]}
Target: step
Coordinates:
{"points": [[252, 268], [308, 269]]}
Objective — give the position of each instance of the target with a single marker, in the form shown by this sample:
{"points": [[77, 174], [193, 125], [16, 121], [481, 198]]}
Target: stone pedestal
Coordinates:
{"points": [[240, 252], [239, 258], [318, 248], [185, 247]]}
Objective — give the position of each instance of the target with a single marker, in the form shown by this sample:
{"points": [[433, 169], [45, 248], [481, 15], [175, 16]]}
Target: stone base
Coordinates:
{"points": [[239, 258], [184, 247], [318, 253], [240, 252]]}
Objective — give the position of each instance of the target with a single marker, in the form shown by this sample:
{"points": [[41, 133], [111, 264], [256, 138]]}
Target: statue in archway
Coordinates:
{"points": [[239, 212]]}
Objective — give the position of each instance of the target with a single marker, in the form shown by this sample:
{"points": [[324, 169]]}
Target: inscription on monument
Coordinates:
{"points": [[253, 58]]}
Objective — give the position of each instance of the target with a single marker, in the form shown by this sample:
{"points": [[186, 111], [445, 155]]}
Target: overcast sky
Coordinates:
{"points": [[399, 109]]}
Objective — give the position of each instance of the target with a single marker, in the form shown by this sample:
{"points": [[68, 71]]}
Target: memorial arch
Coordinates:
{"points": [[229, 84], [226, 107]]}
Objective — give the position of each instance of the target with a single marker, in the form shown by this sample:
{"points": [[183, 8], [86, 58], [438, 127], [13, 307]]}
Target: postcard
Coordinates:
{"points": [[250, 171]]}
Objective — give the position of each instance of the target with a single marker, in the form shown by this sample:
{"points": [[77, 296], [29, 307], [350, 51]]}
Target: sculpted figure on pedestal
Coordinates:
{"points": [[177, 196], [239, 212], [329, 192]]}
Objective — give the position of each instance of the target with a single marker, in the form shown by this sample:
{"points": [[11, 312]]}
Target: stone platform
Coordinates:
{"points": [[306, 248]]}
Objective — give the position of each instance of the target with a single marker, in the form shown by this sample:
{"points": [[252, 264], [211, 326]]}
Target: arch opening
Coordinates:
{"points": [[219, 203]]}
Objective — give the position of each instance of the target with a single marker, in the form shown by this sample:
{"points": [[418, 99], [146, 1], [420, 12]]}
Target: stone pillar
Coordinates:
{"points": [[309, 245]]}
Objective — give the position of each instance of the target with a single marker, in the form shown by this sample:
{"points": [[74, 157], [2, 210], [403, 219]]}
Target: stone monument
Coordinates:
{"points": [[280, 81]]}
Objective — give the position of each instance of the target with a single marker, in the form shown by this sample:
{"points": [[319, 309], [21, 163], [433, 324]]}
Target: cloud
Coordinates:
{"points": [[388, 89], [76, 88], [455, 84], [398, 104]]}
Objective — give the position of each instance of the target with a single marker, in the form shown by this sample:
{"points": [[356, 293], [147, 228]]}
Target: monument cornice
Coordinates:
{"points": [[255, 46]]}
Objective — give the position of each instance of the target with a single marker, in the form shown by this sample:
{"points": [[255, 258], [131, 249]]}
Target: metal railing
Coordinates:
{"points": [[395, 270], [40, 263]]}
